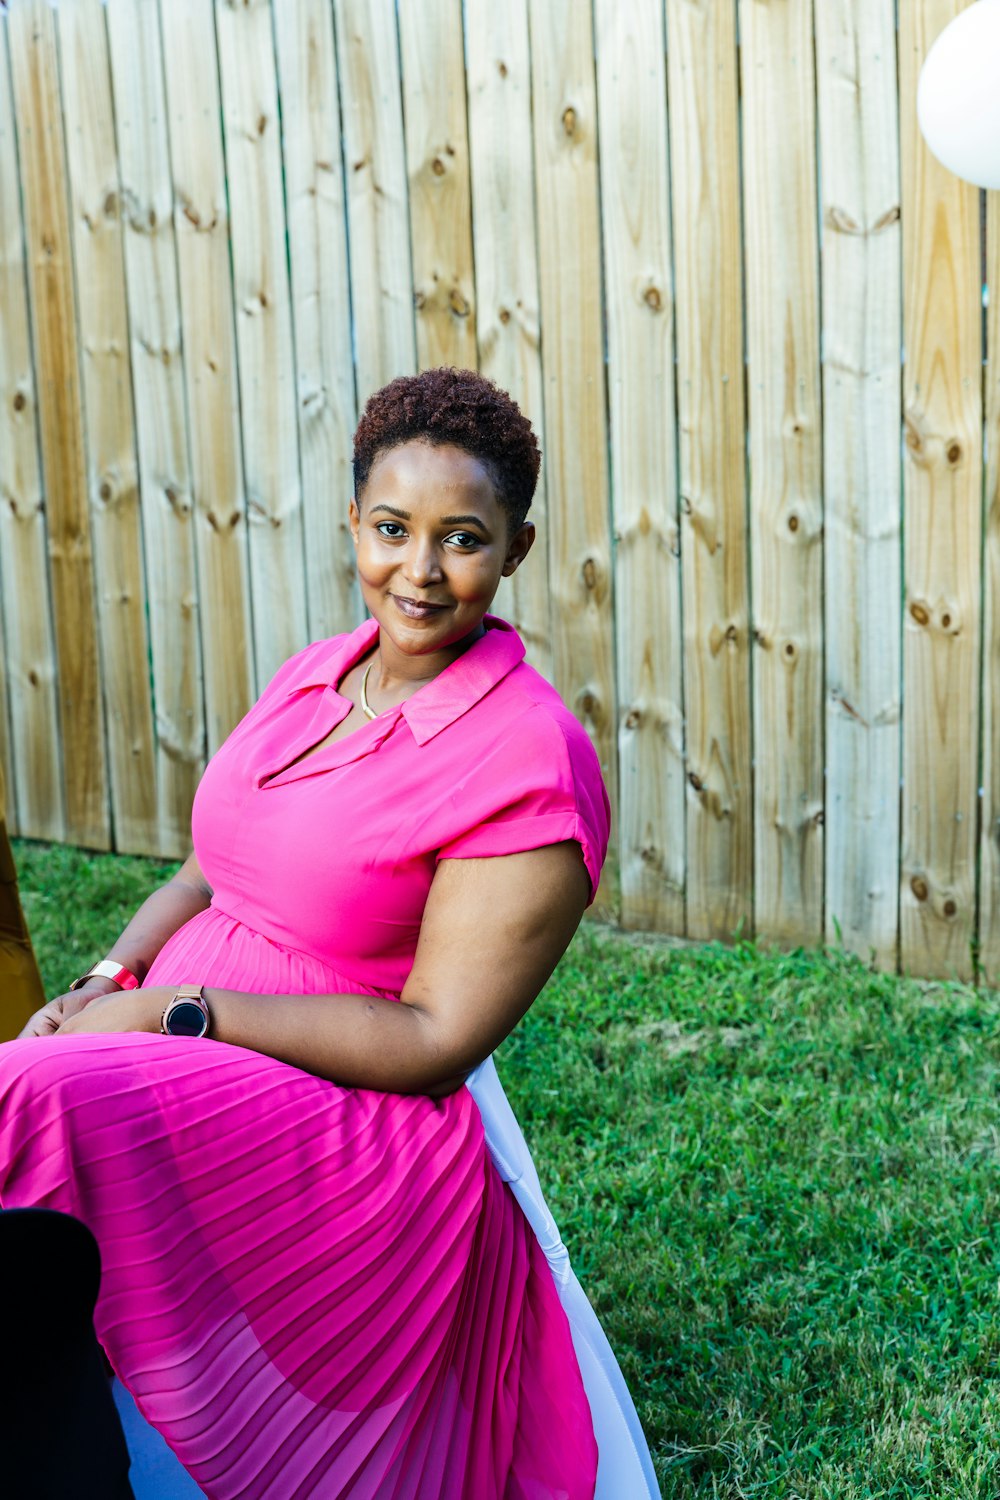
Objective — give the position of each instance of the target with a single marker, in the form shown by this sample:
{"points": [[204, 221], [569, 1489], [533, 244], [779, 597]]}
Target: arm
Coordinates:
{"points": [[492, 932], [158, 918]]}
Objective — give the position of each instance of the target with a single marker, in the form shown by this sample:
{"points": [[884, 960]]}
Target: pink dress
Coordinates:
{"points": [[313, 1290]]}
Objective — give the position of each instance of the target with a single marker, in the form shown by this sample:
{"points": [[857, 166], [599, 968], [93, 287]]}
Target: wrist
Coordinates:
{"points": [[139, 1010], [149, 1006], [112, 968], [95, 987], [186, 1012]]}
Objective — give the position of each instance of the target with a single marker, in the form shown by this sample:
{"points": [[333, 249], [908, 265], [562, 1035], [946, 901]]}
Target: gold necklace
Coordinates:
{"points": [[366, 707]]}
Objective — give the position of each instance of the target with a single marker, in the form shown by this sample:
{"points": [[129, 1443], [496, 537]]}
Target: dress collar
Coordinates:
{"points": [[447, 696]]}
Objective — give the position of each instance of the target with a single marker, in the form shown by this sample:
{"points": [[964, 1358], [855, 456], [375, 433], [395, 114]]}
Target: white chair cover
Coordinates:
{"points": [[625, 1469]]}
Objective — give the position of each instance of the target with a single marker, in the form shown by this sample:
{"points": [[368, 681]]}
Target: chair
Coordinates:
{"points": [[60, 1435], [21, 991]]}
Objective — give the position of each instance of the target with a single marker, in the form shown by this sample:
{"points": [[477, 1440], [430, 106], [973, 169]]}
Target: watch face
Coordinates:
{"points": [[185, 1019]]}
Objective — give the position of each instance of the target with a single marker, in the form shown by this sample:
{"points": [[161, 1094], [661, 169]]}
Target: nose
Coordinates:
{"points": [[423, 564]]}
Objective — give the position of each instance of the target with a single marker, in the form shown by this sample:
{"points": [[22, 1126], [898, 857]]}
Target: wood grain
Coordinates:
{"points": [[33, 753], [437, 158], [109, 420], [942, 475], [160, 419], [506, 256], [781, 260], [375, 170], [5, 727], [210, 376], [704, 135], [862, 325], [635, 199], [565, 112], [262, 299], [989, 843], [321, 306], [48, 239]]}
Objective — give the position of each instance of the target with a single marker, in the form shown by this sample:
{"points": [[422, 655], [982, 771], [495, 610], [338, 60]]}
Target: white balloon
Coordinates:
{"points": [[958, 97]]}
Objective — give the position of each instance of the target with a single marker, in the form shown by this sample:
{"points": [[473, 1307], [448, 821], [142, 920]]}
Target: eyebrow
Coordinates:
{"points": [[404, 515], [463, 521]]}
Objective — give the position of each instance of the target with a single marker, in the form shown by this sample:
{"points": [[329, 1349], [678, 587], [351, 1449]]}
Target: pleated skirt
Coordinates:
{"points": [[309, 1290]]}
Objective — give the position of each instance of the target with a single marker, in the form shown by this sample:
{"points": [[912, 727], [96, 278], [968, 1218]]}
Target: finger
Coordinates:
{"points": [[42, 1023]]}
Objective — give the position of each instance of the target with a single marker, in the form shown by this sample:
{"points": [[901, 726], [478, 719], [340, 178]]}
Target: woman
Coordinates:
{"points": [[315, 1279]]}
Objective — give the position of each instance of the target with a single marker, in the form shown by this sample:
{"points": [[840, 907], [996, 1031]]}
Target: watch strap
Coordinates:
{"points": [[109, 968], [186, 994]]}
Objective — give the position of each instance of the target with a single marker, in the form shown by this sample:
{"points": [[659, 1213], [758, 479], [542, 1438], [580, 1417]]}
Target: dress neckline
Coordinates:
{"points": [[434, 705]]}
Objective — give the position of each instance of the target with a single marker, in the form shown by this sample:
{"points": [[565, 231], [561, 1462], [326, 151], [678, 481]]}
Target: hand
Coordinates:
{"points": [[123, 1010], [47, 1021]]}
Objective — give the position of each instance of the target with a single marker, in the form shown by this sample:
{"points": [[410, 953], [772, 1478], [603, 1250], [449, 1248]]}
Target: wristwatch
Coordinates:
{"points": [[109, 968], [186, 1013]]}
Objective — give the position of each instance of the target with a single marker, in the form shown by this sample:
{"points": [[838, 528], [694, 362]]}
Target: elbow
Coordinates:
{"points": [[201, 891], [446, 1087], [441, 1071]]}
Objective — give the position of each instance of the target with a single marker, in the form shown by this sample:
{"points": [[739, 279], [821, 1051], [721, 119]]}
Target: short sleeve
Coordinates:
{"points": [[540, 783]]}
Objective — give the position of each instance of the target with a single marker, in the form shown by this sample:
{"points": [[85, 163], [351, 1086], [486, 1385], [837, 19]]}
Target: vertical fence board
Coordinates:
{"points": [[505, 241], [109, 420], [160, 427], [42, 154], [862, 323], [34, 790], [8, 806], [6, 762], [942, 409], [635, 200], [8, 811], [437, 156], [263, 331], [377, 218], [568, 207], [201, 224], [321, 305], [704, 135], [786, 470], [989, 870]]}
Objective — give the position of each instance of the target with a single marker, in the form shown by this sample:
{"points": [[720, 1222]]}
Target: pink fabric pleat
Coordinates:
{"points": [[310, 1290]]}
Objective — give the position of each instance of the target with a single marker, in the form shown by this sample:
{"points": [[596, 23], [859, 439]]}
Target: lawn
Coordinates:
{"points": [[778, 1178]]}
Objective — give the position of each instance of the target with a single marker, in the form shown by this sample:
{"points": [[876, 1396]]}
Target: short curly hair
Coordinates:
{"points": [[454, 406]]}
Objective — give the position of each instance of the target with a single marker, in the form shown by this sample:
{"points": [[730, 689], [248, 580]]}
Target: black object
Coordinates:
{"points": [[60, 1436]]}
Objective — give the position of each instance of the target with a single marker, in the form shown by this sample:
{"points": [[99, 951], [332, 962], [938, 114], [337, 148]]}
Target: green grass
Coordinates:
{"points": [[778, 1178]]}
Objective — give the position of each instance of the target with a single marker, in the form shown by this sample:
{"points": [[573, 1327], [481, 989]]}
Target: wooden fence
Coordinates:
{"points": [[692, 237]]}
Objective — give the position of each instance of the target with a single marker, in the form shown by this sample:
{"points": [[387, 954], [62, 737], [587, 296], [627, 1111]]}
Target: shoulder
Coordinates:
{"points": [[527, 777], [528, 713], [532, 747], [316, 664]]}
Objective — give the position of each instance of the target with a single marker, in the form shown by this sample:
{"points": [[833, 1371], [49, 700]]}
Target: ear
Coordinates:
{"points": [[518, 548], [354, 518]]}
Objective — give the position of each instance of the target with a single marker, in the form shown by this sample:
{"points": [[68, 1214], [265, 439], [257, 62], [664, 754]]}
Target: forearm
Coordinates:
{"points": [[482, 957], [360, 1041], [158, 918]]}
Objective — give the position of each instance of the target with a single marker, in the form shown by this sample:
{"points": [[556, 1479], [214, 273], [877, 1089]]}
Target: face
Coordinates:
{"points": [[433, 542]]}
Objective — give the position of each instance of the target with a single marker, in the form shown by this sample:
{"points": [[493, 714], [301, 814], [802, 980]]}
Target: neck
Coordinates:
{"points": [[396, 670]]}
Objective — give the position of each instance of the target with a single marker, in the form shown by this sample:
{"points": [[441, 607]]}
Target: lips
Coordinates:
{"points": [[414, 609]]}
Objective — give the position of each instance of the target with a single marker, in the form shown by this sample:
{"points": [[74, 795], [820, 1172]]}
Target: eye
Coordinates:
{"points": [[390, 529], [464, 540]]}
